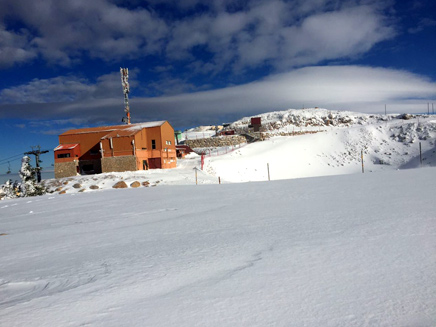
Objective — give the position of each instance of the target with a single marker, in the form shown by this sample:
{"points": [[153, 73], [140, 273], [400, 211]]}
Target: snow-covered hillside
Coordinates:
{"points": [[350, 250], [353, 250], [387, 142]]}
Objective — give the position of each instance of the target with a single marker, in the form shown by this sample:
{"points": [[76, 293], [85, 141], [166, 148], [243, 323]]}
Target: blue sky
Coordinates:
{"points": [[195, 62]]}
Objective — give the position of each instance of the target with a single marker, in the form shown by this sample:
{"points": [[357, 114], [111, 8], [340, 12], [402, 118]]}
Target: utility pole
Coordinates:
{"points": [[36, 151]]}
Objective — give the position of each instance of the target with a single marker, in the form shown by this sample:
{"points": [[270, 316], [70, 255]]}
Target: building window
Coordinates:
{"points": [[63, 155], [168, 142], [153, 144]]}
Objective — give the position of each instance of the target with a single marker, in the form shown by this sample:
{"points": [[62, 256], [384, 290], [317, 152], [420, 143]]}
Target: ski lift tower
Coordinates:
{"points": [[125, 83]]}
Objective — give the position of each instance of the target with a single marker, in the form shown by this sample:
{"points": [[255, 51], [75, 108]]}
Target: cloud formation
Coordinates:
{"points": [[233, 35], [66, 89], [356, 88], [15, 47]]}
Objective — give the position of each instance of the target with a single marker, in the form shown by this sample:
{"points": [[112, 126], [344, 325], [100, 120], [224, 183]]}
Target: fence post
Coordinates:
{"points": [[267, 167], [219, 180], [420, 154], [361, 156]]}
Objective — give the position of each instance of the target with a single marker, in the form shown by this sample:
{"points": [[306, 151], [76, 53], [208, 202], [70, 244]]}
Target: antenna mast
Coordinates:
{"points": [[125, 83]]}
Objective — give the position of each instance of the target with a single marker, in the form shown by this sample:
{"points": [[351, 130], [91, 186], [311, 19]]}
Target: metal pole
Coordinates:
{"points": [[267, 166], [196, 181], [38, 169], [219, 180], [420, 154], [37, 153], [361, 156]]}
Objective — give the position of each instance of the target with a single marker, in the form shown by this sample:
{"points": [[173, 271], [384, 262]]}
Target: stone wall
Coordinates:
{"points": [[215, 142], [65, 169], [123, 163]]}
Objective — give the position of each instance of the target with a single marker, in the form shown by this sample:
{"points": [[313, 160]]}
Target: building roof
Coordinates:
{"points": [[121, 132], [65, 147], [125, 129]]}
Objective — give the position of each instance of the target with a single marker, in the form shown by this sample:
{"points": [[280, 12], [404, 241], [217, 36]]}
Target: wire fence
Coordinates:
{"points": [[215, 152]]}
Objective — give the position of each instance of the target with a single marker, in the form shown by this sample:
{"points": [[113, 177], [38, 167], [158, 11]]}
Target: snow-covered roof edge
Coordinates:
{"points": [[131, 127], [65, 146]]}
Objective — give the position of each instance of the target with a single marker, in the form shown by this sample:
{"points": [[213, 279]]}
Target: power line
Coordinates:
{"points": [[6, 159], [6, 162]]}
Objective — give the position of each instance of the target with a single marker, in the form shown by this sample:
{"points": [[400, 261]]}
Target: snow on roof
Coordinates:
{"points": [[140, 126], [133, 128], [65, 146]]}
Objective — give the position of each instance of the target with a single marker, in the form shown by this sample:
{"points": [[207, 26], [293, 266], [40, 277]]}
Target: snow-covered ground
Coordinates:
{"points": [[387, 143], [333, 152], [351, 250]]}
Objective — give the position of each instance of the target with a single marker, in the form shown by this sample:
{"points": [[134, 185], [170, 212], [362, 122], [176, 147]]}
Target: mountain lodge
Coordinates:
{"points": [[115, 148]]}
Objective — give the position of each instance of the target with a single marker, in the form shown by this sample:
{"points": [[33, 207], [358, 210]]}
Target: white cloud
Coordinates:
{"points": [[14, 47], [237, 35], [69, 29], [58, 89], [66, 89], [356, 88], [422, 25]]}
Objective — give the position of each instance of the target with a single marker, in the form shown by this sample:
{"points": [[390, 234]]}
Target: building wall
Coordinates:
{"points": [[121, 163], [89, 143], [65, 169], [165, 152], [121, 146], [169, 154], [74, 154]]}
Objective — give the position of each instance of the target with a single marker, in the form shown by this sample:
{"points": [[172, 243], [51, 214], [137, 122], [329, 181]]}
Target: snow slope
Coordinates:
{"points": [[351, 250], [388, 143]]}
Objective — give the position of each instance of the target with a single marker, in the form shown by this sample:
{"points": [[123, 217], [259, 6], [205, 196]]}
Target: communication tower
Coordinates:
{"points": [[125, 83]]}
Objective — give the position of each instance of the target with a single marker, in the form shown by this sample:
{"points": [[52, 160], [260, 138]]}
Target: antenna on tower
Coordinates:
{"points": [[125, 83]]}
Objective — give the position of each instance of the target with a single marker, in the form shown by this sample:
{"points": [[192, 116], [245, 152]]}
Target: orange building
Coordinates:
{"points": [[115, 148]]}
